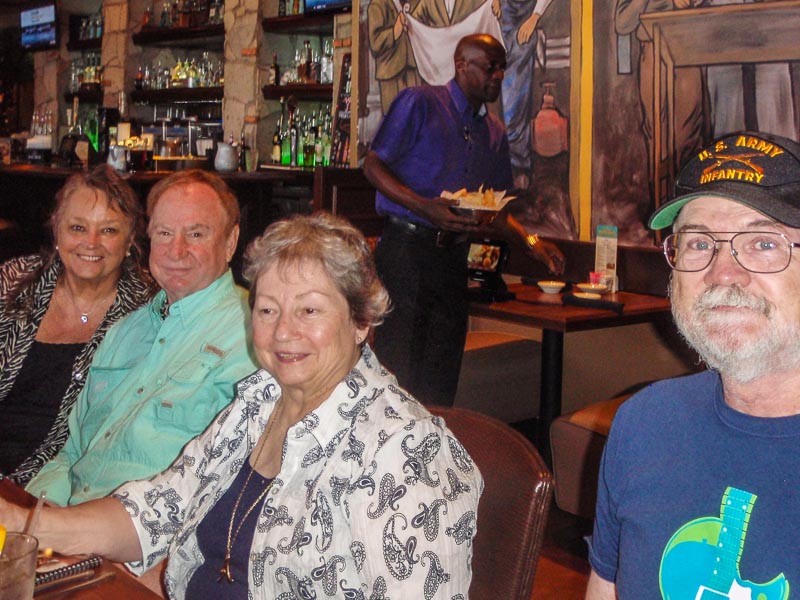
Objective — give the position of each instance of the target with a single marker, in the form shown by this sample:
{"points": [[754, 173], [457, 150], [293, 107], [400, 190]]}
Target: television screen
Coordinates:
{"points": [[39, 27], [329, 6]]}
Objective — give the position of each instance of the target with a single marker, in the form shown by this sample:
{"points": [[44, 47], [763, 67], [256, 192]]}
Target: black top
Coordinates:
{"points": [[212, 538], [33, 402]]}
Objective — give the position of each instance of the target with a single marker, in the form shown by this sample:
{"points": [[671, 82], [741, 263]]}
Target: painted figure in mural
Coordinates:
{"points": [[774, 104], [518, 21], [691, 129], [437, 138], [697, 492], [395, 67]]}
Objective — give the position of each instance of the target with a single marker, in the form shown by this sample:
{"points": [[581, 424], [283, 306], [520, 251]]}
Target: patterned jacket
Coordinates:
{"points": [[375, 497], [17, 335]]}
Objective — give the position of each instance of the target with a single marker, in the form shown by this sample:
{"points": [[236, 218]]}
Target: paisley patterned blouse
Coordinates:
{"points": [[375, 499]]}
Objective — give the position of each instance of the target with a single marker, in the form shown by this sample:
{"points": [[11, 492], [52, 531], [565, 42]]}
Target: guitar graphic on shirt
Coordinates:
{"points": [[701, 561]]}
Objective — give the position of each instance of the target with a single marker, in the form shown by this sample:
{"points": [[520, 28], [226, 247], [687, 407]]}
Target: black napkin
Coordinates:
{"points": [[569, 299]]}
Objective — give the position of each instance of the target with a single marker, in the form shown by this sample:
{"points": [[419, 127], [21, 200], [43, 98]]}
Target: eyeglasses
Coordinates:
{"points": [[755, 251], [490, 69]]}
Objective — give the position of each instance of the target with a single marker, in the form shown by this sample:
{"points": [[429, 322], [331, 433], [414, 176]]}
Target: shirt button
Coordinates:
{"points": [[162, 341], [86, 489], [140, 390], [78, 376], [159, 382], [107, 435]]}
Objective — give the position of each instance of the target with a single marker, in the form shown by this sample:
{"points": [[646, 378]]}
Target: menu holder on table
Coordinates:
{"points": [[58, 574]]}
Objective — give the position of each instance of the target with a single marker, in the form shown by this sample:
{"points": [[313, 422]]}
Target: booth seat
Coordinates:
{"points": [[577, 440]]}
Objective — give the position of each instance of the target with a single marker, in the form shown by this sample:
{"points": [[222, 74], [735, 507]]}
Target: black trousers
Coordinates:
{"points": [[422, 338]]}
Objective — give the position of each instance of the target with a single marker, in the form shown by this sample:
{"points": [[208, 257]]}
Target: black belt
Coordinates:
{"points": [[440, 237]]}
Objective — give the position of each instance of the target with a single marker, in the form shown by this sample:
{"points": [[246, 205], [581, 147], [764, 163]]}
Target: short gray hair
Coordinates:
{"points": [[337, 246]]}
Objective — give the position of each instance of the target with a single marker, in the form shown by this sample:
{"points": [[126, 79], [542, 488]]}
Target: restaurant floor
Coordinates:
{"points": [[563, 567]]}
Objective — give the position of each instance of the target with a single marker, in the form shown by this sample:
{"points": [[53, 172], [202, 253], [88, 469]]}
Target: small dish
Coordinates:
{"points": [[587, 295], [592, 288], [551, 287]]}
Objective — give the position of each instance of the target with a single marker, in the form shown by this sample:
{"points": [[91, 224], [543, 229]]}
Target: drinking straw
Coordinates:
{"points": [[34, 520], [2, 538]]}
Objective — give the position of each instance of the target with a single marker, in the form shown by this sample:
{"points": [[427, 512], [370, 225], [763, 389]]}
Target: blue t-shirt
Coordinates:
{"points": [[432, 141], [695, 497]]}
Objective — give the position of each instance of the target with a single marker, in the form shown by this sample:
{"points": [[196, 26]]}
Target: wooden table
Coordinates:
{"points": [[122, 585], [534, 308], [729, 34]]}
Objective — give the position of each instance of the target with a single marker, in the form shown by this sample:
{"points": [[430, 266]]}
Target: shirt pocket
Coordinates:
{"points": [[103, 384], [189, 400]]}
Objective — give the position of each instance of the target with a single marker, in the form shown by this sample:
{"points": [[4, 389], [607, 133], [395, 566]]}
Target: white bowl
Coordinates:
{"points": [[551, 287], [587, 295], [592, 288]]}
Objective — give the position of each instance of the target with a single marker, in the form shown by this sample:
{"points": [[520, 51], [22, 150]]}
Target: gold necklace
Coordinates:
{"points": [[225, 570]]}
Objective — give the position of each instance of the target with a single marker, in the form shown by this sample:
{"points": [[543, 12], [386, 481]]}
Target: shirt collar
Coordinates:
{"points": [[352, 397], [195, 305], [461, 102]]}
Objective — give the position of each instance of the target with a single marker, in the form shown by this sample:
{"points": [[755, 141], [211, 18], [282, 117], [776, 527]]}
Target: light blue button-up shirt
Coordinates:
{"points": [[153, 385]]}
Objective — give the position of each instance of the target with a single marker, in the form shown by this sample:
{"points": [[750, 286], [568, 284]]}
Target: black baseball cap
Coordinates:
{"points": [[759, 170]]}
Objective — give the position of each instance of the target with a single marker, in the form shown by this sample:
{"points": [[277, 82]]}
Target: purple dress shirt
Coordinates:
{"points": [[433, 141]]}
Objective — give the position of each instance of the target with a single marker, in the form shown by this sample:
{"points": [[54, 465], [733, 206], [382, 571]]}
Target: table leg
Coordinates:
{"points": [[550, 391]]}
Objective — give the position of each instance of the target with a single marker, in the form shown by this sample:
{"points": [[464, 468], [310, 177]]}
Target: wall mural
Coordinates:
{"points": [[412, 44]]}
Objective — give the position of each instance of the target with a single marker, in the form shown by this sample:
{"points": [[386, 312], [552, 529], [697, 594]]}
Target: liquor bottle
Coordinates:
{"points": [[66, 150], [327, 125], [293, 139], [319, 158], [308, 146], [165, 11], [274, 71], [147, 18], [276, 137], [308, 60], [281, 8], [138, 83], [243, 151]]}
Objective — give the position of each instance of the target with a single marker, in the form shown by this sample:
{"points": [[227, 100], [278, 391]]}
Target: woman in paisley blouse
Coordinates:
{"points": [[55, 308], [322, 479]]}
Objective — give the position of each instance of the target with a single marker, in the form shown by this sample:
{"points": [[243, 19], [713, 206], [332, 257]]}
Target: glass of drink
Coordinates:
{"points": [[18, 566]]}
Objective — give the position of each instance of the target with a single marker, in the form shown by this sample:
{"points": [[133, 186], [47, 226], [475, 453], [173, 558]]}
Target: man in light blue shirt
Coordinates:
{"points": [[164, 372]]}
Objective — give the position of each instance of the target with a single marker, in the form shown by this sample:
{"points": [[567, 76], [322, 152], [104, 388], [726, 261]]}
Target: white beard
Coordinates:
{"points": [[718, 337]]}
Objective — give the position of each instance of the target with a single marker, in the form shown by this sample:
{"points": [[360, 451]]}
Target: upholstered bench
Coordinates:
{"points": [[500, 376], [576, 441]]}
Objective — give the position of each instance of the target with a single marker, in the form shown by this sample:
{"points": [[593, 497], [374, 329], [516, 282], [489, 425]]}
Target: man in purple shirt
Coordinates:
{"points": [[437, 138]]}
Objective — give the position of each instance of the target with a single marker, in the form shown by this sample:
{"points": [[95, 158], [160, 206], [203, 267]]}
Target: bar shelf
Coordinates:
{"points": [[209, 37], [197, 95]]}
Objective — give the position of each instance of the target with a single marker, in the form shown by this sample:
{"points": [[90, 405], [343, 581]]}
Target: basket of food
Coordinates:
{"points": [[482, 206]]}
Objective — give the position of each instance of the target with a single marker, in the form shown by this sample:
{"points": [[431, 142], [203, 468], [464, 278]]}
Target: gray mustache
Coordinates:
{"points": [[733, 296]]}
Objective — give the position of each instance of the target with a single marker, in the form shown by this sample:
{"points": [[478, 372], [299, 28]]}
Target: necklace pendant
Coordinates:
{"points": [[84, 317], [225, 571]]}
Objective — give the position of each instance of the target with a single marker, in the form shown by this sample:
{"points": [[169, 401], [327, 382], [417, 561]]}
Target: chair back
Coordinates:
{"points": [[513, 508]]}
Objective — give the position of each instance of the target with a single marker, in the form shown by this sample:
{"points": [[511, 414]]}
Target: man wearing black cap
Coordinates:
{"points": [[699, 495]]}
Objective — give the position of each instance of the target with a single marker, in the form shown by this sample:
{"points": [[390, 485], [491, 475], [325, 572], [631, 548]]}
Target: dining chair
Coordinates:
{"points": [[513, 508]]}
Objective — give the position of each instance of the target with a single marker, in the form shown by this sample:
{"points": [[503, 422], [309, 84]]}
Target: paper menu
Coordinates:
{"points": [[605, 258]]}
